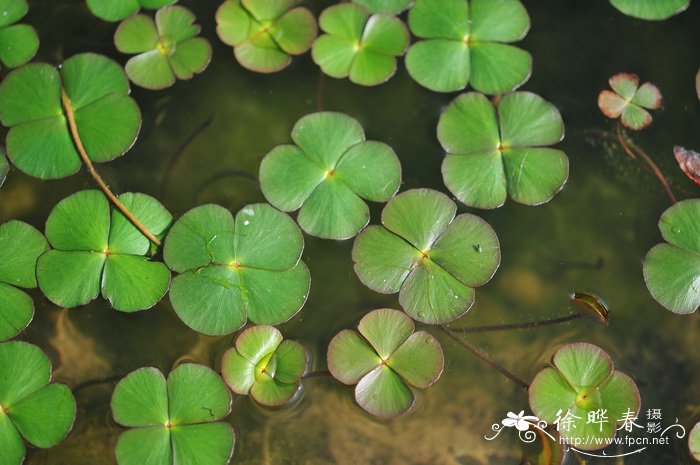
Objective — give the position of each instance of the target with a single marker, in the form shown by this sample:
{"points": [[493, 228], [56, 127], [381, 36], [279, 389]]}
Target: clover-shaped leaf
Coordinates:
{"points": [[36, 99], [630, 101], [582, 379], [359, 45], [18, 42], [20, 247], [31, 409], [167, 48], [264, 366], [433, 259], [495, 152], [173, 421], [232, 271], [384, 359], [384, 6], [653, 10], [467, 43], [97, 250], [672, 269], [264, 34], [117, 10], [328, 173], [4, 167], [694, 442]]}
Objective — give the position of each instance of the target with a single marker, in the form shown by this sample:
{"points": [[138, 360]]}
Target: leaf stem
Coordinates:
{"points": [[484, 357], [70, 115], [514, 326], [630, 147]]}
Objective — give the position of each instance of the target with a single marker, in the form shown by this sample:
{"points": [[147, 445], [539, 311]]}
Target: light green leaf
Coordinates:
{"points": [[288, 177], [137, 34], [419, 360], [295, 31], [549, 394], [386, 330], [476, 179], [653, 10], [16, 311], [619, 394], [535, 175], [80, 222], [583, 364], [469, 125], [635, 117], [25, 369], [694, 441], [382, 393], [257, 342], [141, 399], [384, 6], [11, 443], [350, 357], [268, 9], [371, 68], [238, 372], [273, 297], [291, 362], [124, 237], [150, 70], [334, 55], [498, 21], [527, 120], [144, 445], [18, 44], [204, 444], [327, 136], [333, 211], [441, 65], [680, 225], [70, 279], [672, 276], [197, 394], [372, 170], [268, 391], [132, 283], [440, 19], [497, 68], [12, 11], [20, 247], [116, 10], [45, 417]]}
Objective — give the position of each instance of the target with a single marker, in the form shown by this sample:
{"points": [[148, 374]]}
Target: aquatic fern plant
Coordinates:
{"points": [[629, 101], [18, 42], [652, 10], [117, 10], [167, 49]]}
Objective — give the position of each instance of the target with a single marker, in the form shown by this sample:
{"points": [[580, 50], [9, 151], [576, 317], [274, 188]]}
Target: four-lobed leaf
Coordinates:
{"points": [[117, 10], [652, 10], [232, 271], [166, 49], [582, 379], [264, 366], [495, 152], [433, 259], [31, 408], [328, 173], [20, 247], [264, 34], [384, 6], [467, 43], [97, 250], [18, 42], [629, 101], [384, 360], [672, 269], [173, 421], [35, 101], [359, 45]]}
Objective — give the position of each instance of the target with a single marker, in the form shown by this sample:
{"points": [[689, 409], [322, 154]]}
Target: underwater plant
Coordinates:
{"points": [[327, 174], [629, 101], [359, 45], [672, 269], [652, 10], [384, 358], [694, 442], [468, 43], [264, 366], [32, 409], [167, 49], [18, 42], [581, 380], [384, 6], [20, 247], [689, 161], [37, 100], [173, 421], [97, 250], [265, 34], [117, 10], [494, 152], [235, 271], [431, 257]]}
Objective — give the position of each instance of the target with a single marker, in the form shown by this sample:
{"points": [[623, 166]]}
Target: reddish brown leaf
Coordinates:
{"points": [[689, 161]]}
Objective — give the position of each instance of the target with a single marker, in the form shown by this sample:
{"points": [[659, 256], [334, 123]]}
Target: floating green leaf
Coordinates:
{"points": [[672, 269], [166, 49], [36, 99], [20, 246], [499, 151], [358, 45], [694, 442], [4, 167], [383, 359], [264, 366], [384, 6], [653, 10], [432, 258], [30, 408], [174, 421], [581, 380], [116, 10], [467, 42], [234, 271], [95, 250], [328, 173], [264, 34], [629, 101], [18, 42]]}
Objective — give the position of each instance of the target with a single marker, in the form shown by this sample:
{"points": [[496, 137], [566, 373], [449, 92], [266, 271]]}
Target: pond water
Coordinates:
{"points": [[202, 141]]}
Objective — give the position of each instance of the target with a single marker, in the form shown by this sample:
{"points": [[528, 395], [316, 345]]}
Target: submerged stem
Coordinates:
{"points": [[630, 147], [513, 326], [70, 115], [484, 357]]}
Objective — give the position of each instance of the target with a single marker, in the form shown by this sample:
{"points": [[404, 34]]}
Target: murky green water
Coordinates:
{"points": [[202, 141]]}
